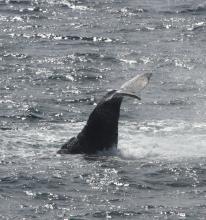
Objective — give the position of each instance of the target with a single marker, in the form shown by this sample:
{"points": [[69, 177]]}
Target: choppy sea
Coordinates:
{"points": [[57, 58]]}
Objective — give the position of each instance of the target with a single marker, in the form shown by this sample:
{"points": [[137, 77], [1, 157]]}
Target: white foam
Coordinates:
{"points": [[163, 140], [168, 139]]}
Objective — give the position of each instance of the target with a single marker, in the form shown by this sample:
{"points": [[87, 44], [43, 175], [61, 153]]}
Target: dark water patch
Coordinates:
{"points": [[15, 56], [185, 9], [98, 158], [12, 12], [175, 177], [178, 102], [9, 180], [3, 2], [34, 113], [57, 77], [43, 113], [21, 181], [196, 10], [115, 214], [6, 124], [183, 88], [93, 58], [83, 57], [5, 128], [143, 186], [174, 102], [40, 210], [143, 28], [180, 183], [196, 28], [18, 2], [199, 28], [47, 196], [88, 74]]}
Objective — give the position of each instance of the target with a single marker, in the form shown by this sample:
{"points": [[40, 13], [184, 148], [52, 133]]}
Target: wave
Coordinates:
{"points": [[75, 5], [194, 10], [199, 26], [129, 12], [95, 58], [19, 56], [51, 36], [17, 2], [187, 9]]}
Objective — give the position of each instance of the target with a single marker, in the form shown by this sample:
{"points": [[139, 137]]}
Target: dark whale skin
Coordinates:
{"points": [[101, 130]]}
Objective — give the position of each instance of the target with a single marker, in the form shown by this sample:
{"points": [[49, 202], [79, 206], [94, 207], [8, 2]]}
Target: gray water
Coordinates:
{"points": [[57, 58]]}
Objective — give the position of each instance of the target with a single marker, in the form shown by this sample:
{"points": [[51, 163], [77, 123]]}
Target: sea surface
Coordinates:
{"points": [[57, 59]]}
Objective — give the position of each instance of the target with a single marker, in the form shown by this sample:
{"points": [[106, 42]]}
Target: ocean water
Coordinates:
{"points": [[57, 58]]}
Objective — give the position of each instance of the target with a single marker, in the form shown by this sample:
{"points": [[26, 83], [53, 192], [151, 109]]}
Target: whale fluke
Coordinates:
{"points": [[101, 129], [135, 85]]}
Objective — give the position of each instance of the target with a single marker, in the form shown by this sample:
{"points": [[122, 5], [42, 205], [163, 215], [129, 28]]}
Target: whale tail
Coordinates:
{"points": [[133, 87], [101, 129]]}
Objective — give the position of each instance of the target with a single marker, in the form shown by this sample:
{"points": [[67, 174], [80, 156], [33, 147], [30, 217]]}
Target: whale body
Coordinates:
{"points": [[101, 130]]}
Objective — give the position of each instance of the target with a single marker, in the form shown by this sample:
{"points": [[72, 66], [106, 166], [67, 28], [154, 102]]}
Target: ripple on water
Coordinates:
{"points": [[52, 36], [56, 56]]}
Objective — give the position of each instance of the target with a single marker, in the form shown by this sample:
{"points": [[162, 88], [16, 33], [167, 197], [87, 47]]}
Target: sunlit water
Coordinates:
{"points": [[57, 58]]}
